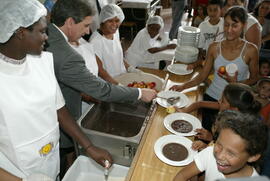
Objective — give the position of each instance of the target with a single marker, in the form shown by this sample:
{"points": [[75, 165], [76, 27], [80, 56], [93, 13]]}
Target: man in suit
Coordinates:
{"points": [[70, 21]]}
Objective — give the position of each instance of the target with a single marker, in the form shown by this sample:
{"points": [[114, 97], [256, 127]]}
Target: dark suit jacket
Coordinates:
{"points": [[74, 78]]}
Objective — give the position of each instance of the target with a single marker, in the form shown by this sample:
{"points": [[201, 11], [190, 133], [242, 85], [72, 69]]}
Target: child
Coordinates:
{"points": [[264, 66], [263, 89], [236, 96], [242, 139], [227, 5], [211, 29], [202, 13]]}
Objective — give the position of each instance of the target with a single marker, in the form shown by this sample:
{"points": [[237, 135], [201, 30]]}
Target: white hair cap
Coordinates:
{"points": [[109, 12], [155, 20], [18, 13]]}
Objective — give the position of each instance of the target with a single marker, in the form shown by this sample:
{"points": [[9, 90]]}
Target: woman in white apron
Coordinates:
{"points": [[106, 41], [31, 101]]}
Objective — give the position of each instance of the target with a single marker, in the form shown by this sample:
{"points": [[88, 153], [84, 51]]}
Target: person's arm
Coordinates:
{"points": [[69, 125], [6, 176], [188, 172], [253, 64], [159, 49], [103, 73], [200, 104], [203, 74], [266, 38], [253, 35]]}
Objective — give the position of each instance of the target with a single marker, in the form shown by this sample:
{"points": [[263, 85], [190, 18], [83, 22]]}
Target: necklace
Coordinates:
{"points": [[11, 60]]}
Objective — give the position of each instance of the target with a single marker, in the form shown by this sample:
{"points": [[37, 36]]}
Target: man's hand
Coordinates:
{"points": [[99, 155], [148, 95]]}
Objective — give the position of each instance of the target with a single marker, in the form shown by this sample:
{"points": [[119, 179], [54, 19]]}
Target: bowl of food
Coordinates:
{"points": [[140, 80]]}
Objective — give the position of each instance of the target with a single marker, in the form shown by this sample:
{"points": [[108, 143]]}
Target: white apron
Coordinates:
{"points": [[110, 53], [29, 132]]}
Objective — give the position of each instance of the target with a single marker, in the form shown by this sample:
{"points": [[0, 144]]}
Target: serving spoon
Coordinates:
{"points": [[171, 100]]}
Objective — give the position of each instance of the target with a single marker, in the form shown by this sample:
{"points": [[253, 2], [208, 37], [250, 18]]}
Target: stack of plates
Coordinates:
{"points": [[186, 54], [188, 36]]}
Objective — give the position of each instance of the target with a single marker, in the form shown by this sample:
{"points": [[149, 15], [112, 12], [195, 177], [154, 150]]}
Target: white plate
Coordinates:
{"points": [[189, 29], [164, 140], [179, 69], [184, 100], [195, 122]]}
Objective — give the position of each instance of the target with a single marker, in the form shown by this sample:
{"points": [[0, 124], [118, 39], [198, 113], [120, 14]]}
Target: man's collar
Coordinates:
{"points": [[65, 36]]}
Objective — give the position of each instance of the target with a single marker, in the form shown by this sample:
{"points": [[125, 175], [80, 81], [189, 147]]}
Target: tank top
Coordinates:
{"points": [[218, 84]]}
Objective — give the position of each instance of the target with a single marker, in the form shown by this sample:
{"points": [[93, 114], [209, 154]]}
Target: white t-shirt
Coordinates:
{"points": [[110, 52], [86, 50], [205, 161], [30, 98], [210, 33], [137, 54], [251, 21]]}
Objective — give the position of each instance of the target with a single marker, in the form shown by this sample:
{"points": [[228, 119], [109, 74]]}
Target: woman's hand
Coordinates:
{"points": [[228, 78], [99, 155], [204, 134], [198, 145], [177, 88]]}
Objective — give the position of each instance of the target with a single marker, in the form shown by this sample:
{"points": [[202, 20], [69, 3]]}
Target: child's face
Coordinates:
{"points": [[213, 11], [264, 90], [265, 69], [264, 9], [230, 2], [230, 152], [223, 104], [200, 11]]}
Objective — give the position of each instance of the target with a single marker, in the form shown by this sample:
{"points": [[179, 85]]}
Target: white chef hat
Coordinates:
{"points": [[155, 20], [18, 13], [110, 11]]}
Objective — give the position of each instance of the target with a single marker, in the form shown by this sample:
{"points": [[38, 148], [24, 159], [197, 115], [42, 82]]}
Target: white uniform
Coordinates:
{"points": [[86, 50], [110, 52], [137, 54], [30, 98], [210, 33], [205, 161]]}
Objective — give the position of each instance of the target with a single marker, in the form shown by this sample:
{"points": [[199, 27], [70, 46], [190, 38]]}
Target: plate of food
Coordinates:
{"points": [[174, 150], [182, 124], [172, 98], [179, 69]]}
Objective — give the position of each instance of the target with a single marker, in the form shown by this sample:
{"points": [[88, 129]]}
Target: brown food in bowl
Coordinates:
{"points": [[181, 126], [175, 152]]}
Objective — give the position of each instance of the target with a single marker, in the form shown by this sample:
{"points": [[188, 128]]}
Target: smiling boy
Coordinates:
{"points": [[242, 140]]}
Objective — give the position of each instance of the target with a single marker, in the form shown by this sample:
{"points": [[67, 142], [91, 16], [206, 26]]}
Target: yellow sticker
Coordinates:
{"points": [[46, 149]]}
